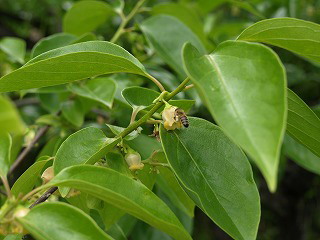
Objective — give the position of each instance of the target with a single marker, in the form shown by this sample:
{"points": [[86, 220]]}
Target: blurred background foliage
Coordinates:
{"points": [[293, 212]]}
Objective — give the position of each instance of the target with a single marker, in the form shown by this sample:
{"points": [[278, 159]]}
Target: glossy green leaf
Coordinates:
{"points": [[73, 112], [5, 150], [10, 120], [99, 89], [27, 180], [184, 14], [71, 63], [303, 124], [171, 187], [301, 155], [56, 221], [243, 84], [124, 193], [299, 36], [216, 175], [145, 145], [15, 48], [51, 42], [169, 48], [86, 146], [86, 16], [117, 130]]}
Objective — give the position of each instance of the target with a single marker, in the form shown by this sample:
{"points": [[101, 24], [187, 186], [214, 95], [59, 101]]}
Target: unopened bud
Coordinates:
{"points": [[21, 212], [133, 160], [47, 175]]}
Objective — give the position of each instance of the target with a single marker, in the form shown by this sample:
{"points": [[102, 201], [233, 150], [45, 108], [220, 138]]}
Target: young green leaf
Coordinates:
{"points": [[86, 146], [117, 130], [299, 36], [5, 149], [57, 221], [71, 63], [100, 89], [27, 180], [139, 96], [243, 86], [15, 48], [86, 16], [10, 120], [169, 48], [303, 124], [301, 155], [124, 193], [216, 175]]}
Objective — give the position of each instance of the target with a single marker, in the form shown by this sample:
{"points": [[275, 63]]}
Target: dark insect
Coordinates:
{"points": [[181, 116]]}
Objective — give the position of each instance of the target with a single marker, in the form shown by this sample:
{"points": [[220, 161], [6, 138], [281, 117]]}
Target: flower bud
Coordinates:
{"points": [[133, 160], [47, 175], [21, 212]]}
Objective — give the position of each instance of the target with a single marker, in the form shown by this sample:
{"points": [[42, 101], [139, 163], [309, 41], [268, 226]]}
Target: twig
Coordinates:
{"points": [[44, 196], [26, 101], [188, 87], [6, 186], [25, 151]]}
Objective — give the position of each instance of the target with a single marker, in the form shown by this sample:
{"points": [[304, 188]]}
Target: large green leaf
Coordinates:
{"points": [[86, 16], [167, 35], [243, 86], [5, 150], [15, 48], [27, 180], [57, 221], [171, 187], [185, 14], [301, 155], [10, 120], [83, 147], [122, 192], [217, 176], [303, 124], [299, 36], [73, 112], [99, 89], [71, 63]]}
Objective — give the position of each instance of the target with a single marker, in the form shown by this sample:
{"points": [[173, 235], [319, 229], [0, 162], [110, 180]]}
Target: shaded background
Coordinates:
{"points": [[293, 212]]}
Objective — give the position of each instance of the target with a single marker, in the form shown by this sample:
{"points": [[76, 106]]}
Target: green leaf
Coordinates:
{"points": [[27, 180], [171, 187], [52, 42], [243, 84], [216, 175], [169, 48], [86, 146], [10, 120], [15, 48], [184, 104], [301, 155], [117, 130], [73, 112], [185, 15], [71, 63], [139, 96], [86, 16], [56, 221], [13, 237], [124, 193], [145, 145], [99, 89], [5, 149], [303, 124], [298, 36]]}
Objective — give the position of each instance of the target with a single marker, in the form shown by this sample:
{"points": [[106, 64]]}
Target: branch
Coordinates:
{"points": [[25, 151], [44, 196]]}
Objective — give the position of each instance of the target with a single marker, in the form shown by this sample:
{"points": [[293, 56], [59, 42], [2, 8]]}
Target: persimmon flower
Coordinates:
{"points": [[47, 175], [133, 160], [170, 121]]}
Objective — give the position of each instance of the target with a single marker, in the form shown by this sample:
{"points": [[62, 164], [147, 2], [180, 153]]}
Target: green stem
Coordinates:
{"points": [[6, 185], [126, 20], [133, 126]]}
